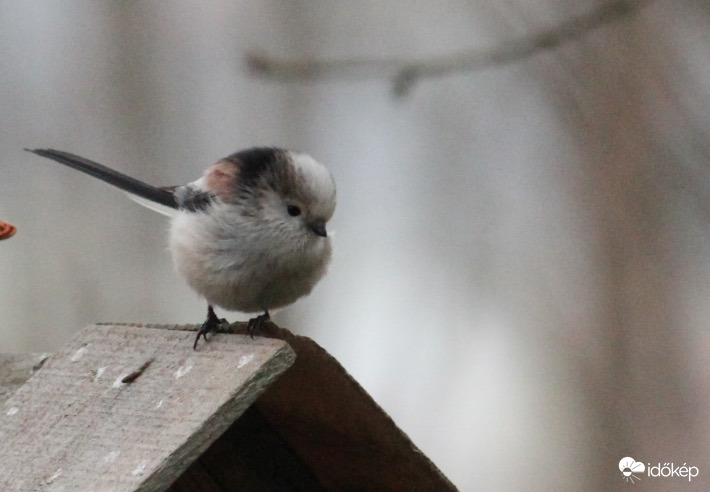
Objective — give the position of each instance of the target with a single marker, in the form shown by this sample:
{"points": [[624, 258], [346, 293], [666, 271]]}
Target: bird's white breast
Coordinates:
{"points": [[241, 264]]}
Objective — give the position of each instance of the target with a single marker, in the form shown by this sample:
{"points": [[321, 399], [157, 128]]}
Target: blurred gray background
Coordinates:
{"points": [[522, 271]]}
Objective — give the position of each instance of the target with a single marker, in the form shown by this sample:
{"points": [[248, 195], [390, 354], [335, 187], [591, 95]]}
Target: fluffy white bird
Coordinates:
{"points": [[249, 235]]}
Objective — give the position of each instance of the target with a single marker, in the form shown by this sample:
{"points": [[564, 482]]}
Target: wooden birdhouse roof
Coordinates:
{"points": [[133, 407]]}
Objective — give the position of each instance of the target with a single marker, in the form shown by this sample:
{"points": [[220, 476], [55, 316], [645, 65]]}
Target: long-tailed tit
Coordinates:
{"points": [[249, 235]]}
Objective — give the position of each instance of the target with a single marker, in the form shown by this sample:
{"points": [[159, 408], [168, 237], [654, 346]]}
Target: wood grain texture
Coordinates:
{"points": [[346, 439], [320, 414], [75, 426], [16, 369]]}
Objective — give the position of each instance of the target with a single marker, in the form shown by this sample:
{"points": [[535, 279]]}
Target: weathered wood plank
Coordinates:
{"points": [[15, 369], [344, 437], [76, 426], [338, 432]]}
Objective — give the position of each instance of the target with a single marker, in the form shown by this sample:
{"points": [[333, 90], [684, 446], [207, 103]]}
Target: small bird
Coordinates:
{"points": [[249, 235]]}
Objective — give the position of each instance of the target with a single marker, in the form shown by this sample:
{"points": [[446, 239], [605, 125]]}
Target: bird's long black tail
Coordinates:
{"points": [[119, 180]]}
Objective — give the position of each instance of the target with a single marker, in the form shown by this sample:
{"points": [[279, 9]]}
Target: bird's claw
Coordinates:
{"points": [[211, 324], [256, 323]]}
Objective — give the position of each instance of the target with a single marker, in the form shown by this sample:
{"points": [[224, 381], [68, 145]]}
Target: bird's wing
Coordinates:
{"points": [[154, 206], [194, 197], [190, 198]]}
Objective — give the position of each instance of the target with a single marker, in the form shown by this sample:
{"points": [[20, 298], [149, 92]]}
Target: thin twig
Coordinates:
{"points": [[405, 73]]}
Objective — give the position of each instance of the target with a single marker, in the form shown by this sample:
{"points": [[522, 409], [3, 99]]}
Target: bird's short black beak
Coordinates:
{"points": [[319, 228]]}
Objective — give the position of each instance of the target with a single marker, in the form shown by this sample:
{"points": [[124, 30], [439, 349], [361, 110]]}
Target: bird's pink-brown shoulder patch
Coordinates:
{"points": [[222, 178]]}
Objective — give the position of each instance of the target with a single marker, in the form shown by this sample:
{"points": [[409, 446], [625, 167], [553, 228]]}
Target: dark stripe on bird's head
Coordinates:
{"points": [[258, 163]]}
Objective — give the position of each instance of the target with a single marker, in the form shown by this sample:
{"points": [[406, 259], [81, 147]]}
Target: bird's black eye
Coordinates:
{"points": [[293, 211]]}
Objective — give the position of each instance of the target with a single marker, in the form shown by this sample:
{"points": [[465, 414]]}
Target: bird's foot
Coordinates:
{"points": [[256, 323], [211, 324]]}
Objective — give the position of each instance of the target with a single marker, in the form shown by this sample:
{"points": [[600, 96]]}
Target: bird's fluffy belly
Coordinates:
{"points": [[227, 274]]}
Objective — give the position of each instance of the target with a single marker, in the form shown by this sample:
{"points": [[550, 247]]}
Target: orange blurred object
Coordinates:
{"points": [[6, 230]]}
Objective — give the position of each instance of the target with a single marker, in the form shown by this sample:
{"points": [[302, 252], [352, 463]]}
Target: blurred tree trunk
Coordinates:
{"points": [[638, 380]]}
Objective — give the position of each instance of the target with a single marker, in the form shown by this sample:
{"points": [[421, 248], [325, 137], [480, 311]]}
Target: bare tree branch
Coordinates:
{"points": [[405, 73]]}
